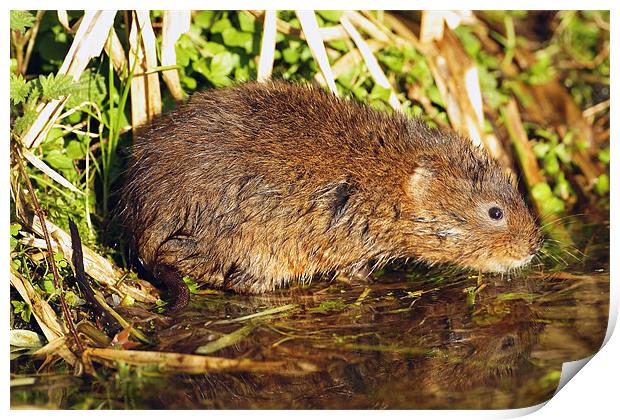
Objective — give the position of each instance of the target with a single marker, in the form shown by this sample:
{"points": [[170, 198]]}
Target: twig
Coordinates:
{"points": [[50, 254], [80, 278], [33, 35], [193, 364], [42, 166]]}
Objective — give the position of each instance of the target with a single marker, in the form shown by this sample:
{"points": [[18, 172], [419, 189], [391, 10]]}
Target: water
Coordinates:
{"points": [[408, 340]]}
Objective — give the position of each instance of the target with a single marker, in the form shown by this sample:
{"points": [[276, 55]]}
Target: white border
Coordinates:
{"points": [[592, 395]]}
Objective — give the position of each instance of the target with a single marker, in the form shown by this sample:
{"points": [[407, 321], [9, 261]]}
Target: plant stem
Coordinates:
{"points": [[50, 251]]}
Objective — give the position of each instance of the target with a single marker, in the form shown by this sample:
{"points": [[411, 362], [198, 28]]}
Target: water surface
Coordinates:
{"points": [[406, 340]]}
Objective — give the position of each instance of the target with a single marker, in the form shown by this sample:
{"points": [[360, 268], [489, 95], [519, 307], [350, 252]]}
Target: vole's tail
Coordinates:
{"points": [[177, 288]]}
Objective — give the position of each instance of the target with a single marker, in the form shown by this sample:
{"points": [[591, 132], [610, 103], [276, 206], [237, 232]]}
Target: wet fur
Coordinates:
{"points": [[251, 187]]}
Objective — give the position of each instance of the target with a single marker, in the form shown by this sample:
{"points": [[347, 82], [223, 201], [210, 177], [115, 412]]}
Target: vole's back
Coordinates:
{"points": [[252, 186]]}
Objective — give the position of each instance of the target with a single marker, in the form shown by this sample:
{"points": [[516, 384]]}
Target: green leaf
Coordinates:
{"points": [[54, 140], [551, 164], [203, 19], [604, 156], [541, 149], [25, 121], [602, 185], [23, 309], [220, 26], [360, 93], [247, 23], [19, 89], [471, 43], [48, 286], [71, 298], [554, 205], [346, 78], [291, 55], [330, 15], [15, 227], [90, 88], [55, 86], [222, 64], [393, 62], [191, 284], [541, 191], [562, 187], [235, 38], [379, 92], [214, 48], [58, 159], [189, 82], [20, 20], [75, 149]]}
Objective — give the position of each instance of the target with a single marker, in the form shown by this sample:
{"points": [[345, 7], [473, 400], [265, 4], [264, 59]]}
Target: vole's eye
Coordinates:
{"points": [[496, 213]]}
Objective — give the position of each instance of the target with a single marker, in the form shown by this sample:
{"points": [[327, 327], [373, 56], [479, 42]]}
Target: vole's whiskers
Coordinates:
{"points": [[562, 220]]}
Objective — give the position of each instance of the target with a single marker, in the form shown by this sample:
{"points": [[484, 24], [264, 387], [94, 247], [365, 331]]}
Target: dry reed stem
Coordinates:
{"points": [[367, 26], [88, 43], [63, 18], [331, 33], [431, 28], [525, 154], [145, 92], [267, 46], [195, 364], [98, 267], [402, 30], [554, 105], [43, 313], [456, 77], [281, 25], [590, 113], [347, 60], [530, 169], [175, 23], [310, 28], [33, 36], [371, 62], [116, 53], [42, 166]]}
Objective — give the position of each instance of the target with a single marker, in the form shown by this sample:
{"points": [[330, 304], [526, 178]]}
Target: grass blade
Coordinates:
{"points": [[268, 46], [175, 23], [311, 31]]}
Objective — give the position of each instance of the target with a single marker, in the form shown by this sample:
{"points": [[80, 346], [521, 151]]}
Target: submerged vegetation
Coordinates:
{"points": [[531, 87]]}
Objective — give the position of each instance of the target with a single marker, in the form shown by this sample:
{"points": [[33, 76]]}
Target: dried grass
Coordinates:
{"points": [[315, 42], [193, 364], [145, 91], [175, 23], [268, 46], [88, 43]]}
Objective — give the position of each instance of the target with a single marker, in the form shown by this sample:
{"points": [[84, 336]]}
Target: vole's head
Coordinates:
{"points": [[464, 210]]}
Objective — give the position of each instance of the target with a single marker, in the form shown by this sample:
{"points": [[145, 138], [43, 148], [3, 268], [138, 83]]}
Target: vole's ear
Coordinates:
{"points": [[419, 181]]}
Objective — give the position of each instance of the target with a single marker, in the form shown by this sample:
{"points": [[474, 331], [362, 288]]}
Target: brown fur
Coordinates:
{"points": [[254, 186]]}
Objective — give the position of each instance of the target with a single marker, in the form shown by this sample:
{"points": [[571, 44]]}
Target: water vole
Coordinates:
{"points": [[251, 187]]}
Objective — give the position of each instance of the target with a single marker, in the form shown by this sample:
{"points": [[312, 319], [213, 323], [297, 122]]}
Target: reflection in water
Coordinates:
{"points": [[402, 345], [400, 342]]}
